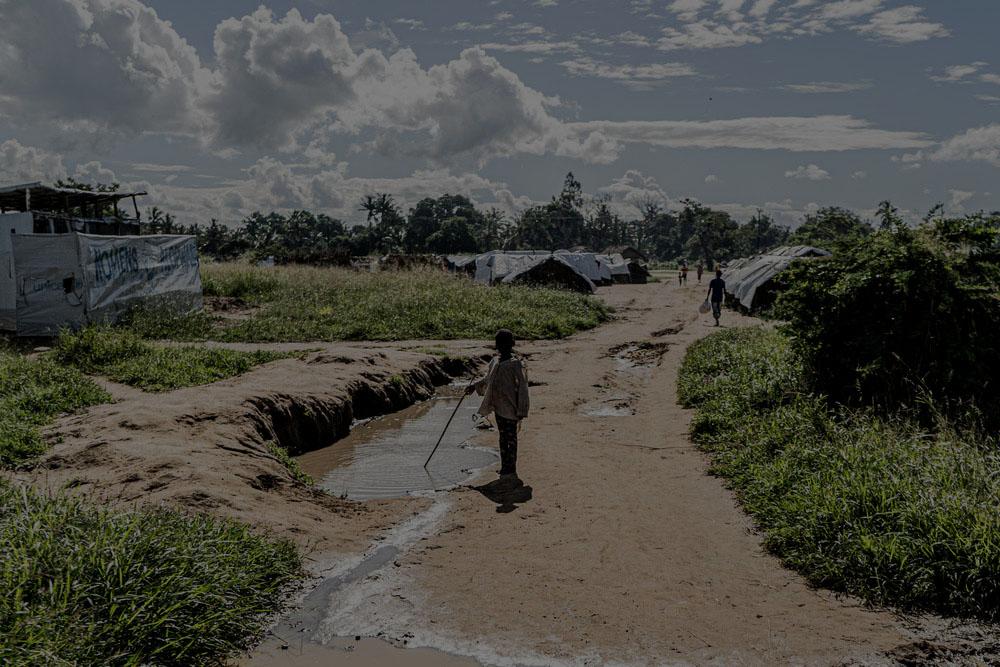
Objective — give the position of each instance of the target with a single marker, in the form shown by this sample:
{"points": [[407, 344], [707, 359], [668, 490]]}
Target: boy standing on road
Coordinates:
{"points": [[701, 270], [505, 394], [716, 294]]}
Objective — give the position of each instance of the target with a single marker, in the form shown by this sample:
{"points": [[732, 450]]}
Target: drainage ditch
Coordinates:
{"points": [[384, 458]]}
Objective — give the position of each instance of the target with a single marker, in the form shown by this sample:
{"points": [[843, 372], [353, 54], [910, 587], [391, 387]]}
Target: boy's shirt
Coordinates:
{"points": [[504, 389]]}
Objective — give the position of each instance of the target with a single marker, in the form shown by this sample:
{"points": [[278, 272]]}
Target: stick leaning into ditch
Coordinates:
{"points": [[455, 412]]}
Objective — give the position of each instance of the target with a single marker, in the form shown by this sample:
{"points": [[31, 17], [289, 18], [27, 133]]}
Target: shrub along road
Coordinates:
{"points": [[629, 551]]}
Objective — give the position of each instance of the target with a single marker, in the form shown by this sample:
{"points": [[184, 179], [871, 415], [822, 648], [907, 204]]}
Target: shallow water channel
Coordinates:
{"points": [[381, 458], [384, 457]]}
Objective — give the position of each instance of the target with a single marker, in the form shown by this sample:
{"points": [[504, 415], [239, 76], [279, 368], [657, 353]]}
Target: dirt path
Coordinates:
{"points": [[628, 552]]}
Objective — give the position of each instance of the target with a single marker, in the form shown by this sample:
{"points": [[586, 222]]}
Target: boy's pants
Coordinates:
{"points": [[508, 445]]}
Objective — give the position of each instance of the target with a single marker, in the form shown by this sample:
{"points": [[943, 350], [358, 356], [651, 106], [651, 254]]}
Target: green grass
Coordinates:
{"points": [[33, 392], [301, 304], [290, 463], [873, 506], [122, 356], [80, 585]]}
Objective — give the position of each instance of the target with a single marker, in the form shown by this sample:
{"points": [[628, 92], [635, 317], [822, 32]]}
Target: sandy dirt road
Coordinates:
{"points": [[628, 552]]}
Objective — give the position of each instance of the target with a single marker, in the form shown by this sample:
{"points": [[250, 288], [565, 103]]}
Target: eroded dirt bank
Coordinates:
{"points": [[205, 448]]}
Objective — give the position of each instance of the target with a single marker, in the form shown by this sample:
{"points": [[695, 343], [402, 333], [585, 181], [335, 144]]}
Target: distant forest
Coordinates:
{"points": [[451, 224]]}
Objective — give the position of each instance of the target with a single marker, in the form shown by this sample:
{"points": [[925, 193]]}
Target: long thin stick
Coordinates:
{"points": [[445, 430]]}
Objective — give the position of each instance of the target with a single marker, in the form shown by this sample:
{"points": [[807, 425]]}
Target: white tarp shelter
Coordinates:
{"points": [[589, 264], [497, 267], [69, 280], [745, 277]]}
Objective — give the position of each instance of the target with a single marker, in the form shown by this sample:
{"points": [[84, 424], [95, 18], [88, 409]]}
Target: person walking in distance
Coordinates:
{"points": [[717, 294], [684, 273], [700, 269], [505, 394]]}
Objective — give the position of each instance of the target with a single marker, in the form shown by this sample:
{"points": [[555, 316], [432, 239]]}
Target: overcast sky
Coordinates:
{"points": [[224, 107]]}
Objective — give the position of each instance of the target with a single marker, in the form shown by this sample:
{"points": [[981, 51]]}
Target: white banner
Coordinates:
{"points": [[67, 280], [121, 271]]}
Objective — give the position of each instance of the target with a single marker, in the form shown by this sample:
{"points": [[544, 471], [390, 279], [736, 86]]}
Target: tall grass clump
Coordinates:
{"points": [[33, 392], [240, 281], [873, 505], [81, 585], [300, 304], [122, 356]]}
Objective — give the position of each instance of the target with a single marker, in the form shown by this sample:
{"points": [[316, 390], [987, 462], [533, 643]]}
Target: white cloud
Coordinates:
{"points": [[846, 9], [635, 76], [809, 172], [707, 35], [412, 24], [859, 175], [816, 133], [903, 25], [94, 172], [958, 72], [160, 168], [726, 25], [20, 164], [761, 8], [981, 144], [711, 178], [959, 198], [825, 87], [537, 46], [101, 67]]}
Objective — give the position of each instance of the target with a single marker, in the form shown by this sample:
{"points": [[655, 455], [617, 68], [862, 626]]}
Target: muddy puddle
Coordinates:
{"points": [[384, 458]]}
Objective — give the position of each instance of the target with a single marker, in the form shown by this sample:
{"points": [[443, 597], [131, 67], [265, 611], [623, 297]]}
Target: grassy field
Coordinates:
{"points": [[124, 357], [33, 392], [301, 304], [87, 586], [875, 507]]}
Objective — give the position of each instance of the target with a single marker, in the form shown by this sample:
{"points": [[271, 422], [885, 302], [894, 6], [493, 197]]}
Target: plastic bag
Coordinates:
{"points": [[705, 308]]}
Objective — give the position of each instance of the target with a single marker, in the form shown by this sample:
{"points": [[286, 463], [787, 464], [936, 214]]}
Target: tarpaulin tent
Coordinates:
{"points": [[531, 266], [747, 280], [589, 265], [492, 267], [68, 280], [552, 271]]}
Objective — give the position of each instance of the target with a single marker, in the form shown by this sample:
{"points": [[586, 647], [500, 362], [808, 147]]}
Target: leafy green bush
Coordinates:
{"points": [[124, 357], [876, 507], [87, 586], [904, 318], [33, 392], [832, 228]]}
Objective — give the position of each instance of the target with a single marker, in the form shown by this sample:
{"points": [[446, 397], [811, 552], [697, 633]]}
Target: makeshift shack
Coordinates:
{"points": [[65, 263], [750, 281]]}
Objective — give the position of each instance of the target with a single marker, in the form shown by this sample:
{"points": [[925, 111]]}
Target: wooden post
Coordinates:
{"points": [[27, 200], [136, 207]]}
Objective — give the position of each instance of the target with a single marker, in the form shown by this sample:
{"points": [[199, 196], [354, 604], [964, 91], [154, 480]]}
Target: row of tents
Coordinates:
{"points": [[750, 281], [578, 271]]}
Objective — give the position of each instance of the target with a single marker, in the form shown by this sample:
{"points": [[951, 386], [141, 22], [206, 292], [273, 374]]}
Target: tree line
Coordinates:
{"points": [[452, 224]]}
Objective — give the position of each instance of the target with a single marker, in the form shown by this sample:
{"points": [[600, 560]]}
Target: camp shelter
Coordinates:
{"points": [[588, 264], [531, 266], [628, 252], [749, 281], [65, 263], [492, 267], [551, 271], [625, 271]]}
